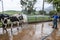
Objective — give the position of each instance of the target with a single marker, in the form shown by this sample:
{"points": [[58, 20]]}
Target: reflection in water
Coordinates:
{"points": [[31, 32]]}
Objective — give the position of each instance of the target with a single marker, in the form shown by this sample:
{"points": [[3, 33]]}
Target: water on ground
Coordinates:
{"points": [[36, 31]]}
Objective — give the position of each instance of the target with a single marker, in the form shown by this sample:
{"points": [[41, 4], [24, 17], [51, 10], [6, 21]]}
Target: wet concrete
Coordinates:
{"points": [[55, 35], [34, 32]]}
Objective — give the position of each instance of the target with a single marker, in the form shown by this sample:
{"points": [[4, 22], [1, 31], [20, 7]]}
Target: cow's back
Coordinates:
{"points": [[12, 19]]}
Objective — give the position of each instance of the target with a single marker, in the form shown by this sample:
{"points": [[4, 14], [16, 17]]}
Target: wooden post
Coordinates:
{"points": [[2, 7]]}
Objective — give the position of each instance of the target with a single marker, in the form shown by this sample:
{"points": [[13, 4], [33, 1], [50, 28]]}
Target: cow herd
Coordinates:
{"points": [[6, 19]]}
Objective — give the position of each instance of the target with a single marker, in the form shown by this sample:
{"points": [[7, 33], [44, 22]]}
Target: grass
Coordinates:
{"points": [[11, 12], [0, 24], [34, 19]]}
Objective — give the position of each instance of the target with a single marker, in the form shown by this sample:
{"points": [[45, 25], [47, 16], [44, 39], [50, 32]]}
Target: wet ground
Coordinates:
{"points": [[4, 36], [55, 35], [34, 31], [37, 31]]}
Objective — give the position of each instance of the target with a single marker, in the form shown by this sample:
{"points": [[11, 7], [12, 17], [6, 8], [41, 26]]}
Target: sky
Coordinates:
{"points": [[15, 5]]}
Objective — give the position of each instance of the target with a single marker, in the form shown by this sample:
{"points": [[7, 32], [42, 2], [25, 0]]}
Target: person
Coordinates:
{"points": [[55, 17], [59, 18]]}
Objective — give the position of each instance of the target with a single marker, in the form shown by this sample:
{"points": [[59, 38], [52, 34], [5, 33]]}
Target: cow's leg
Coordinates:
{"points": [[11, 28], [3, 27], [21, 23], [18, 26], [3, 30], [6, 28]]}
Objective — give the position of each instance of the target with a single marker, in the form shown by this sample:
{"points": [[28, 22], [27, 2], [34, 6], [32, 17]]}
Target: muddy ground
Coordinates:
{"points": [[4, 36], [55, 35], [29, 34], [33, 32]]}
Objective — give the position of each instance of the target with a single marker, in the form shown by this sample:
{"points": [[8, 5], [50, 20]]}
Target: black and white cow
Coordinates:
{"points": [[12, 19], [3, 16], [3, 19], [15, 19], [19, 18]]}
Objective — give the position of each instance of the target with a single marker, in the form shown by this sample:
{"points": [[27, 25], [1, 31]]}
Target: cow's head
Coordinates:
{"points": [[20, 17]]}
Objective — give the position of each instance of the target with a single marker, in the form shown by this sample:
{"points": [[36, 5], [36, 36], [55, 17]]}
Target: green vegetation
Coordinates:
{"points": [[37, 19], [0, 24], [42, 12], [56, 4], [28, 6], [51, 13], [11, 12]]}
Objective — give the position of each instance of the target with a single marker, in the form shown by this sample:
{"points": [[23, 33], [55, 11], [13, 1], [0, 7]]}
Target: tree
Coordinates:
{"points": [[51, 13], [28, 5], [42, 12], [56, 4]]}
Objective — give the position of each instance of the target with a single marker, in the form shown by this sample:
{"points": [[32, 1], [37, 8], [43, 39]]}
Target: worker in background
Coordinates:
{"points": [[55, 17]]}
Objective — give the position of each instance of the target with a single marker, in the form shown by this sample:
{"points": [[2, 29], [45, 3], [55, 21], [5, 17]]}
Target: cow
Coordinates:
{"points": [[15, 19], [4, 21], [19, 17], [4, 24], [3, 16]]}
